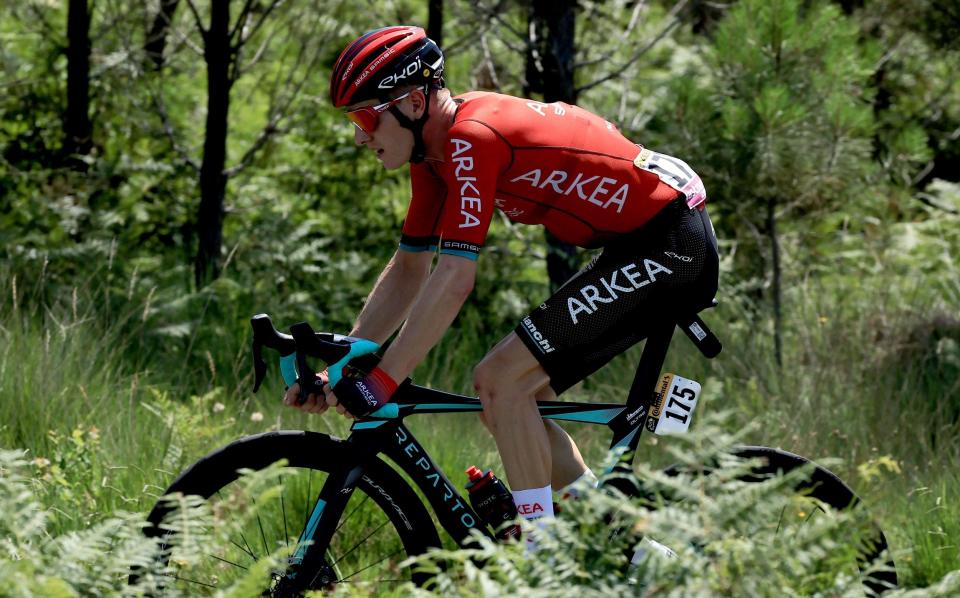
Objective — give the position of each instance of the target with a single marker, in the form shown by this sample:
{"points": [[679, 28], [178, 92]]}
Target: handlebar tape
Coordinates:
{"points": [[357, 348]]}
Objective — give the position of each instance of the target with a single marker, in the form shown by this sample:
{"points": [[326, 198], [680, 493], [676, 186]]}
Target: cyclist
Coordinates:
{"points": [[552, 164]]}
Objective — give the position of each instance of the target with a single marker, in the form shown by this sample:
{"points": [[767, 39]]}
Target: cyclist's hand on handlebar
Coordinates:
{"points": [[332, 401], [364, 394], [314, 403], [360, 396]]}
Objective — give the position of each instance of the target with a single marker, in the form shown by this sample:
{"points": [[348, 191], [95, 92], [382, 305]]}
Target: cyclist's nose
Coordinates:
{"points": [[360, 136]]}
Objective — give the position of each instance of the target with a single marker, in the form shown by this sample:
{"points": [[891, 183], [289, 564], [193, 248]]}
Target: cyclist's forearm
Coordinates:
{"points": [[392, 297], [444, 294]]}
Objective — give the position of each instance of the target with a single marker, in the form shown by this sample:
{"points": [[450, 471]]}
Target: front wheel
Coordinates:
{"points": [[383, 523]]}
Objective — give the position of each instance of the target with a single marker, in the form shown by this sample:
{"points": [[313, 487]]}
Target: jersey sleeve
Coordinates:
{"points": [[421, 227], [474, 158]]}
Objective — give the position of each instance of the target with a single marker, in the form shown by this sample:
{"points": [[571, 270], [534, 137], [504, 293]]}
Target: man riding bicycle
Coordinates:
{"points": [[551, 164]]}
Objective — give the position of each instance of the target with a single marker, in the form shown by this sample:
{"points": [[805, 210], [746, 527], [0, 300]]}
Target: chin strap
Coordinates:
{"points": [[416, 127]]}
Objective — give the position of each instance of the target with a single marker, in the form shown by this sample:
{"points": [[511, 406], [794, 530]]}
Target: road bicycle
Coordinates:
{"points": [[348, 516]]}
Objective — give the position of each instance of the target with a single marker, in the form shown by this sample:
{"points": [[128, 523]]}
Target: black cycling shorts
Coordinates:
{"points": [[669, 265]]}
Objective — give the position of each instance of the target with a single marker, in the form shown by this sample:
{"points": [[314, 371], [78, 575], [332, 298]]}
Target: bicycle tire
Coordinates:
{"points": [[309, 452], [826, 487]]}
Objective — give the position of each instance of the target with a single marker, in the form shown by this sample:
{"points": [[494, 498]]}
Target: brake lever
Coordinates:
{"points": [[306, 342], [265, 335], [259, 365]]}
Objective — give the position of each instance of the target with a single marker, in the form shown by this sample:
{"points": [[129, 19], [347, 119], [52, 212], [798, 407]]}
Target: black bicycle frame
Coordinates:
{"points": [[385, 433]]}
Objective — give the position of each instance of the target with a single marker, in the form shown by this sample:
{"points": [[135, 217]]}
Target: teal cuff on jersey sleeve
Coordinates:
{"points": [[417, 248], [467, 254], [415, 244]]}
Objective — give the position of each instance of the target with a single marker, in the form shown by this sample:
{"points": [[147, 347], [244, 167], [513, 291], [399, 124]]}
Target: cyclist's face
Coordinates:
{"points": [[389, 141]]}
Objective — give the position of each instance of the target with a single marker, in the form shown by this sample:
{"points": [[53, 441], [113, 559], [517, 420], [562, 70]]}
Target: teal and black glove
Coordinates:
{"points": [[363, 396]]}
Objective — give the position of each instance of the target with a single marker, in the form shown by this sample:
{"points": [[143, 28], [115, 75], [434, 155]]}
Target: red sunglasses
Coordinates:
{"points": [[368, 118]]}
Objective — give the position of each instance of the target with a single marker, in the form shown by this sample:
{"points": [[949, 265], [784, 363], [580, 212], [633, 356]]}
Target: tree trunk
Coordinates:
{"points": [[775, 251], [435, 22], [213, 181], [705, 15], [77, 128], [554, 25], [157, 36], [558, 19]]}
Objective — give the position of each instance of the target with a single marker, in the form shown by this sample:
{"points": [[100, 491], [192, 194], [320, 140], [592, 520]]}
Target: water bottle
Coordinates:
{"points": [[493, 502]]}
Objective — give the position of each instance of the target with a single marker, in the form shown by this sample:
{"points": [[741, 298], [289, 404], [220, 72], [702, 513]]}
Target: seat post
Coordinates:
{"points": [[626, 428], [651, 363]]}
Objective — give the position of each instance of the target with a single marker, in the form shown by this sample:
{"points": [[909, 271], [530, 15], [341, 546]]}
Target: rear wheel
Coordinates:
{"points": [[818, 494], [383, 523], [823, 488]]}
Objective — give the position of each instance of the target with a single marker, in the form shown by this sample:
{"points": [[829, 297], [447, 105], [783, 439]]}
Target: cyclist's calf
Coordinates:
{"points": [[536, 454]]}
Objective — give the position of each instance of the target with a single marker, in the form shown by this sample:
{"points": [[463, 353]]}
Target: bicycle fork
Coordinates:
{"points": [[311, 553]]}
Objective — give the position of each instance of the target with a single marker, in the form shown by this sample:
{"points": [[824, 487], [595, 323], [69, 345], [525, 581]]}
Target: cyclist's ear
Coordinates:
{"points": [[417, 100]]}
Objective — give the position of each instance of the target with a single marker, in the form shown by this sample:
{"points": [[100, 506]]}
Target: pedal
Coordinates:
{"points": [[672, 409]]}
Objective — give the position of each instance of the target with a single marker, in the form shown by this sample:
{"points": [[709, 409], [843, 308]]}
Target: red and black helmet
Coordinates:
{"points": [[382, 59]]}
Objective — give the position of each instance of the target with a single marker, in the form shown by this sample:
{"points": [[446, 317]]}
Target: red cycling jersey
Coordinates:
{"points": [[551, 164]]}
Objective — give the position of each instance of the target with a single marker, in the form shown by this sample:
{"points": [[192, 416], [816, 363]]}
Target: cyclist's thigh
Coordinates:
{"points": [[668, 265], [510, 364]]}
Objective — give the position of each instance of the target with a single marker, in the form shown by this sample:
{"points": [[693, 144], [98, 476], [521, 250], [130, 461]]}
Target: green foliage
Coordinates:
{"points": [[154, 415], [732, 538], [918, 97], [115, 372], [780, 112], [98, 560]]}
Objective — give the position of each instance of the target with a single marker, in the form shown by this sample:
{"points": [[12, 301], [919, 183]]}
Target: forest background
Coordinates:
{"points": [[169, 168]]}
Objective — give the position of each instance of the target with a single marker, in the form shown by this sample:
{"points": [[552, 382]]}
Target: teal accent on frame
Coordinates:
{"points": [[357, 348], [599, 416], [467, 254], [623, 444], [367, 425], [288, 368], [311, 527], [626, 439], [388, 411]]}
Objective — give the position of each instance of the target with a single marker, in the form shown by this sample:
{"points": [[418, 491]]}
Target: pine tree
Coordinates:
{"points": [[780, 125]]}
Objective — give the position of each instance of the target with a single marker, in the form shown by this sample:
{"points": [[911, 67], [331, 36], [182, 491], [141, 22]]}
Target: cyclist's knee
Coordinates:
{"points": [[489, 382], [482, 375]]}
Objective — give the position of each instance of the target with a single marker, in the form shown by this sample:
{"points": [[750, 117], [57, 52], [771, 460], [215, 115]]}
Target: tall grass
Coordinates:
{"points": [[866, 384], [69, 385], [116, 384]]}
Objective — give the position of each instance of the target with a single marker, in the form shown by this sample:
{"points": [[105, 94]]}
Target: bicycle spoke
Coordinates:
{"points": [[227, 562], [199, 583], [246, 550], [334, 566], [374, 564], [283, 509], [263, 537], [306, 512], [247, 544], [357, 545], [347, 518], [253, 556], [812, 513]]}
